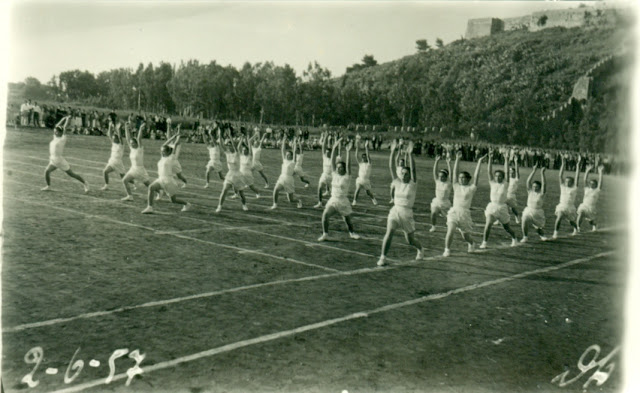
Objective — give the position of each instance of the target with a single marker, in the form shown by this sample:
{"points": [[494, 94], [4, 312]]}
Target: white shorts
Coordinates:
{"points": [[440, 206], [588, 212], [215, 165], [364, 183], [118, 165], [287, 183], [297, 171], [401, 218], [536, 216], [512, 202], [460, 218], [236, 180], [248, 178], [341, 205], [568, 211], [169, 185], [257, 166], [138, 173], [499, 211], [325, 178], [60, 163]]}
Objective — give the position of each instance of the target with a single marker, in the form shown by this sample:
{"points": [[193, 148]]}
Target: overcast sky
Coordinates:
{"points": [[47, 38]]}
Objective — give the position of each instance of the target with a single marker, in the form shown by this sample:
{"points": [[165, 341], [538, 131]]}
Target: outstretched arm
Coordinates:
{"points": [[127, 134], [139, 137], [578, 170], [264, 136], [586, 174], [454, 175], [412, 165], [489, 166], [282, 147], [435, 168], [334, 153], [600, 176], [507, 157], [357, 153], [544, 180], [530, 178], [366, 150], [515, 162], [62, 123], [348, 160], [477, 172], [561, 175], [392, 168], [449, 166]]}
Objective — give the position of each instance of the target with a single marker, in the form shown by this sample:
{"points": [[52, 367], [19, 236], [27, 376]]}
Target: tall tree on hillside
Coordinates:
{"points": [[422, 46], [439, 43]]}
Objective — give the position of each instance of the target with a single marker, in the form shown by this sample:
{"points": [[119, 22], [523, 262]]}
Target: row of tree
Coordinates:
{"points": [[494, 88]]}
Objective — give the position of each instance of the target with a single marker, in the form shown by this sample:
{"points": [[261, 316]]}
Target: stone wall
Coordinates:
{"points": [[483, 27]]}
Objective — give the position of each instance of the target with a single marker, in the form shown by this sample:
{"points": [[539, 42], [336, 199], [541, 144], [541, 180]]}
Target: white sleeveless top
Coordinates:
{"points": [[443, 190], [364, 170], [326, 165], [165, 167], [405, 194], [137, 157], [463, 195], [232, 162], [299, 159], [287, 167], [339, 185], [513, 188], [56, 146], [535, 200], [498, 192], [117, 151], [257, 151], [214, 153], [568, 195], [591, 196], [245, 163]]}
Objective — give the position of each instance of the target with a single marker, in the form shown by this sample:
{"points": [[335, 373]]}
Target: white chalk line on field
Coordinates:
{"points": [[223, 245], [335, 273], [331, 322], [305, 242]]}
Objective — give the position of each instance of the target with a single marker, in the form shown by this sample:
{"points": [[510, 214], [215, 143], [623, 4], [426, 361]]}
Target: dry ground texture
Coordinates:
{"points": [[250, 302]]}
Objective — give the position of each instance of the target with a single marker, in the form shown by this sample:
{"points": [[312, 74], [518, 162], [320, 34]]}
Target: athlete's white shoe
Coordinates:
{"points": [[206, 185], [266, 186], [382, 261], [45, 188], [273, 207], [306, 185], [433, 228], [483, 245], [86, 188], [148, 210], [391, 201], [517, 220], [446, 252], [317, 205], [234, 196], [354, 203], [299, 204], [555, 235], [245, 208], [575, 232], [374, 201], [257, 196], [420, 254], [218, 209], [184, 185], [354, 235], [471, 247], [594, 228], [544, 238], [105, 187], [186, 207], [514, 242], [524, 239], [127, 198], [324, 237]]}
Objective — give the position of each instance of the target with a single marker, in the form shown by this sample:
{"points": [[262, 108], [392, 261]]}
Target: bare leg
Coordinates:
{"points": [[76, 176], [181, 177], [509, 230], [266, 181], [105, 173], [349, 222], [386, 242], [355, 194], [47, 174], [220, 175], [411, 239], [127, 181], [449, 237], [487, 228], [175, 200], [223, 194]]}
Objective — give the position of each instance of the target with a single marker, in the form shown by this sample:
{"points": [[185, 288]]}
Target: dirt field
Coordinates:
{"points": [[251, 302]]}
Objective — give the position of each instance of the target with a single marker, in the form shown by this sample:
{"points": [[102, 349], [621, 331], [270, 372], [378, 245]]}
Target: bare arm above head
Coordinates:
{"points": [[139, 137], [435, 168], [454, 175], [544, 180], [530, 178], [477, 172], [392, 160], [578, 170]]}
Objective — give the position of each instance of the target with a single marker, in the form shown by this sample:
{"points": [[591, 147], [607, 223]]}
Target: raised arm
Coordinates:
{"points": [[600, 176], [544, 180], [515, 163], [530, 178], [435, 168], [170, 140], [586, 174], [477, 172], [348, 160], [561, 174], [127, 134], [507, 158], [357, 153], [449, 166], [282, 147], [295, 148], [264, 136], [578, 170], [489, 166], [324, 139], [63, 123], [139, 137], [392, 168], [334, 153], [366, 151], [454, 175], [412, 166]]}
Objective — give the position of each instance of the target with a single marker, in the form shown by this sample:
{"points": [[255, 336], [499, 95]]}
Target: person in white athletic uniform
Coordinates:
{"points": [[215, 163], [587, 209], [115, 163], [233, 179], [136, 155], [512, 191], [533, 214], [566, 209], [285, 180], [363, 181], [246, 164], [257, 153], [400, 163], [166, 180], [459, 216], [339, 201], [297, 169], [325, 178], [441, 203], [401, 214], [177, 168], [56, 160], [497, 209]]}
